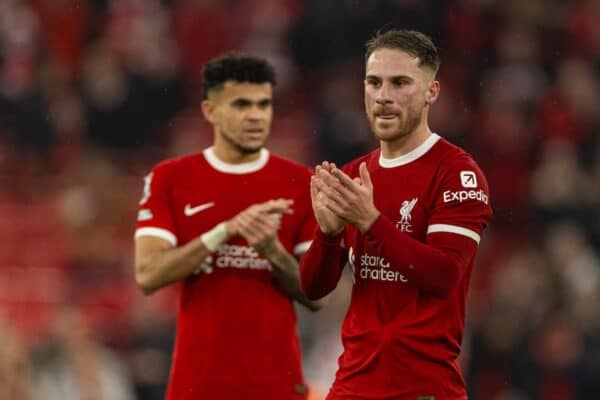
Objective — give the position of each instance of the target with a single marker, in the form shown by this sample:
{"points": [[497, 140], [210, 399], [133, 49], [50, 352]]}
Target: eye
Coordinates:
{"points": [[266, 103], [400, 82], [241, 103], [372, 81]]}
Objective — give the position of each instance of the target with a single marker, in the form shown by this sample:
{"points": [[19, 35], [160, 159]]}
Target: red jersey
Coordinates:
{"points": [[411, 269], [236, 331]]}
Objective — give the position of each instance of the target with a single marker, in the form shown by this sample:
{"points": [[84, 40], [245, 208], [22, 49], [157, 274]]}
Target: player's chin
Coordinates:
{"points": [[254, 139], [386, 133], [383, 126], [256, 142], [252, 146]]}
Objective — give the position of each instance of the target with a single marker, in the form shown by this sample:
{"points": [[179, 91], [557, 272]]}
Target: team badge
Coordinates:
{"points": [[405, 224]]}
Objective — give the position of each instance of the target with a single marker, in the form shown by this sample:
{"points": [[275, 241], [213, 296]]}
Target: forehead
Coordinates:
{"points": [[246, 90], [386, 62]]}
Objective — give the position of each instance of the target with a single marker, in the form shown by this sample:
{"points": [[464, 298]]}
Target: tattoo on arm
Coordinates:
{"points": [[287, 274]]}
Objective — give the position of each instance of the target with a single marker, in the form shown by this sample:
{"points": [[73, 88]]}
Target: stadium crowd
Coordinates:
{"points": [[93, 92]]}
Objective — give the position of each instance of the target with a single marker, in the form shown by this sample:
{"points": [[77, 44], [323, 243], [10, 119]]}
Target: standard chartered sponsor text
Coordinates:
{"points": [[377, 268], [236, 256]]}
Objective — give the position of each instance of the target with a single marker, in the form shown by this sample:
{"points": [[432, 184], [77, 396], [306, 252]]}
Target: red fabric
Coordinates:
{"points": [[317, 281], [436, 267], [404, 326], [236, 331]]}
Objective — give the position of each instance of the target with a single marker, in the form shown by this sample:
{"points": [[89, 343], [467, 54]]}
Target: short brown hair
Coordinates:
{"points": [[415, 43]]}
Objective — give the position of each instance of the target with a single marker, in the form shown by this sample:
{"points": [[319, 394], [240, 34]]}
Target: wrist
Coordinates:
{"points": [[368, 222], [329, 239], [231, 228], [330, 232], [215, 237], [271, 249]]}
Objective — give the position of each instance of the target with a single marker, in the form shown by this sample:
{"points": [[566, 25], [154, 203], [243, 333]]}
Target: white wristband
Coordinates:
{"points": [[213, 238]]}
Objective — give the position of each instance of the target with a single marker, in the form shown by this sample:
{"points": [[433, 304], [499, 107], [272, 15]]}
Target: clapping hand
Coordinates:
{"points": [[329, 222], [343, 199], [257, 224]]}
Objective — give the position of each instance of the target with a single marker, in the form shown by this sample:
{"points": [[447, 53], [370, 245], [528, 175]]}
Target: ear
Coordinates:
{"points": [[432, 92], [208, 109]]}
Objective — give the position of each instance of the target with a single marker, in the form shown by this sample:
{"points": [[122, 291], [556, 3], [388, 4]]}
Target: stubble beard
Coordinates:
{"points": [[406, 126], [243, 149]]}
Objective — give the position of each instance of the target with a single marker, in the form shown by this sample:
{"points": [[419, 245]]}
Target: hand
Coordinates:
{"points": [[258, 225], [349, 199], [329, 223], [270, 207]]}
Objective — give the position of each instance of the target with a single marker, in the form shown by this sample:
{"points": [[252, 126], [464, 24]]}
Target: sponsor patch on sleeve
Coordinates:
{"points": [[464, 195], [145, 214], [146, 192], [468, 179]]}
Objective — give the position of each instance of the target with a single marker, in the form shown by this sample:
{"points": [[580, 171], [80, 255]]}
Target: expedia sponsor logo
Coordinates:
{"points": [[374, 267], [468, 179], [234, 256], [464, 195]]}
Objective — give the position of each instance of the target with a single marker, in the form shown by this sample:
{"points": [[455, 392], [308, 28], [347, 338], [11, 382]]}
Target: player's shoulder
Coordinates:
{"points": [[370, 158], [175, 164], [288, 166], [458, 168], [451, 156]]}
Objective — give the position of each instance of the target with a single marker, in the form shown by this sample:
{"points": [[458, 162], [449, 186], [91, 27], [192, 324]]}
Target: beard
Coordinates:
{"points": [[406, 124], [242, 148]]}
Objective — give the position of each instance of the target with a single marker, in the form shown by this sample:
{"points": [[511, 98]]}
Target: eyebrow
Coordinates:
{"points": [[371, 76], [250, 101]]}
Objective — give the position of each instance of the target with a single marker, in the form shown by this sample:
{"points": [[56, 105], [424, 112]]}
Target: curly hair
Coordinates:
{"points": [[237, 67]]}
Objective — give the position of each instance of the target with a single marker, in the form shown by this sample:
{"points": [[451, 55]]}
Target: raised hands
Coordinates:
{"points": [[258, 223], [329, 222], [338, 199]]}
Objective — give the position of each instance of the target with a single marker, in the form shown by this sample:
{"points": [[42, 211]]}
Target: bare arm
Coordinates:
{"points": [[287, 273], [158, 263], [256, 227]]}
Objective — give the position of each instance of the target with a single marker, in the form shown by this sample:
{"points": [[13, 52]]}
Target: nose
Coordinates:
{"points": [[256, 113], [383, 94]]}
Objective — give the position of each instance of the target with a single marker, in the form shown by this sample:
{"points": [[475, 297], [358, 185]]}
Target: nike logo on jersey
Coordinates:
{"points": [[189, 210]]}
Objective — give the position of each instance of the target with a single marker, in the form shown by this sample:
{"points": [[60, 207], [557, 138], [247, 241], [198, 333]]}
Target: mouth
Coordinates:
{"points": [[385, 112], [386, 116], [254, 133]]}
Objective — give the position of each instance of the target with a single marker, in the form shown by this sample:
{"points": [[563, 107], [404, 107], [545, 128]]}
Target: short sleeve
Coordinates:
{"points": [[462, 203], [155, 217]]}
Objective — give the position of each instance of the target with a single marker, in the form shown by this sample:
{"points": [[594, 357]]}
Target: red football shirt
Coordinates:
{"points": [[236, 331], [404, 326]]}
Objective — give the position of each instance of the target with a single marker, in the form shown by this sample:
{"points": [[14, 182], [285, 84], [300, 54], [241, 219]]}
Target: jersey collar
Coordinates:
{"points": [[411, 155], [239, 169]]}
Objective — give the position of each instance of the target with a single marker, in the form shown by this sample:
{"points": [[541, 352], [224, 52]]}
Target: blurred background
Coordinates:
{"points": [[94, 92]]}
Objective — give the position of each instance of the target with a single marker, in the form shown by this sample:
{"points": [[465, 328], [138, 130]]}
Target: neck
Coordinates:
{"points": [[405, 144]]}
